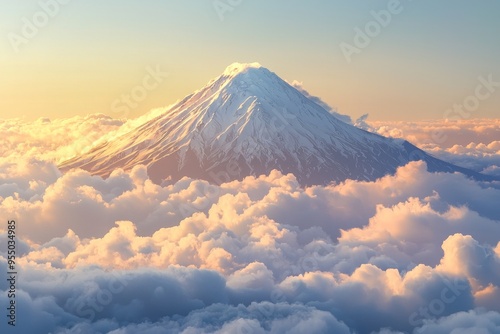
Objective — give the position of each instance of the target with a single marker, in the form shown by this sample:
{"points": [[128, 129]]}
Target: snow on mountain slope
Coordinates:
{"points": [[248, 121]]}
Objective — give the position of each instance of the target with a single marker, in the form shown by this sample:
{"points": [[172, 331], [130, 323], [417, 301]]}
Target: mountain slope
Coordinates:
{"points": [[248, 121]]}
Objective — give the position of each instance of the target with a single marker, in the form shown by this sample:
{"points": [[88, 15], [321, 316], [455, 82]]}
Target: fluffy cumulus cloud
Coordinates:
{"points": [[61, 139], [471, 143], [414, 252]]}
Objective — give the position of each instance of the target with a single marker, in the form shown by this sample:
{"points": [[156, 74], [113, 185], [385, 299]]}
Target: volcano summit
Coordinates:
{"points": [[248, 121]]}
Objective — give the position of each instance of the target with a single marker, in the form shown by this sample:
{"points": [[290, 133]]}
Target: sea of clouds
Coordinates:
{"points": [[414, 252], [474, 144]]}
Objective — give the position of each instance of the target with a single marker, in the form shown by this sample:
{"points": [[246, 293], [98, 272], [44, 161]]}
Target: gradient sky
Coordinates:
{"points": [[91, 52]]}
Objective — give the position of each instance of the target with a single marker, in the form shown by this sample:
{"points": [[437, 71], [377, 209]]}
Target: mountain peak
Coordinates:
{"points": [[236, 68], [248, 121]]}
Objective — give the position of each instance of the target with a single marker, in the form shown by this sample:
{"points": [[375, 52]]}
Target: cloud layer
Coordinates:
{"points": [[415, 252], [472, 143]]}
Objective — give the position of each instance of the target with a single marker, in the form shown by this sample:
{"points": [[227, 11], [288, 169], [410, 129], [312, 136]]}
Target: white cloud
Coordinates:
{"points": [[464, 322], [415, 251], [469, 143]]}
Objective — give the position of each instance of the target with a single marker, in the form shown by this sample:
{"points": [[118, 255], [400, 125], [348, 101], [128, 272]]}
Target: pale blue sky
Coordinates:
{"points": [[428, 58]]}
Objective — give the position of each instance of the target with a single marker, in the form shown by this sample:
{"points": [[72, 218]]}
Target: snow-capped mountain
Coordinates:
{"points": [[248, 121]]}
